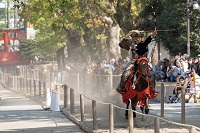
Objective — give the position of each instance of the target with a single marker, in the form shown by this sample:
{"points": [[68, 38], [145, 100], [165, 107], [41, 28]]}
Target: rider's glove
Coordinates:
{"points": [[153, 34]]}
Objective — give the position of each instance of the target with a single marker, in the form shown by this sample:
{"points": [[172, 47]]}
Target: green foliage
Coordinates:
{"points": [[3, 25], [171, 15], [28, 49]]}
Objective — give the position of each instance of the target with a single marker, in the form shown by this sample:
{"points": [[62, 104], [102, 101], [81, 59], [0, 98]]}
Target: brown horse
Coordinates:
{"points": [[142, 91]]}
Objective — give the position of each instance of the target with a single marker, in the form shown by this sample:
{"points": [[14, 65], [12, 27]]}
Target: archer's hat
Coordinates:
{"points": [[136, 33]]}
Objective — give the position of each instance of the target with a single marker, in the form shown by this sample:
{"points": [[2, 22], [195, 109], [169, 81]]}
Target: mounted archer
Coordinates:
{"points": [[138, 48], [137, 84]]}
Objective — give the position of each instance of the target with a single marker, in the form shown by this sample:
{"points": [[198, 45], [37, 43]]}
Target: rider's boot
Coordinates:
{"points": [[121, 86], [124, 79]]}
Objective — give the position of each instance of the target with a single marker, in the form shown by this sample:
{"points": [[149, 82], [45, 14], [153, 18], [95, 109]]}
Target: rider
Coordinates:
{"points": [[133, 41]]}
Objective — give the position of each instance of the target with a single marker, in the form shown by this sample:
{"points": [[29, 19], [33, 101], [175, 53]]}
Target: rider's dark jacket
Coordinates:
{"points": [[140, 49]]}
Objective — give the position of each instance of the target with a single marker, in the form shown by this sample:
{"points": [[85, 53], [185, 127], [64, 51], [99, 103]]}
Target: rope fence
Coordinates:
{"points": [[76, 100]]}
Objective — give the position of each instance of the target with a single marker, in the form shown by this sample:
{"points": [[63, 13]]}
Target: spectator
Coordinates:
{"points": [[184, 64], [157, 70], [99, 69], [175, 72], [195, 64], [111, 67], [163, 71], [176, 98], [190, 65]]}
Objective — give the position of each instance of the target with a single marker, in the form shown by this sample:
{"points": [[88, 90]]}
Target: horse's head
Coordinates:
{"points": [[143, 66], [145, 76]]}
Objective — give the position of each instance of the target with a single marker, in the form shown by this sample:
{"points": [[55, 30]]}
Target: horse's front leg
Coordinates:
{"points": [[147, 106]]}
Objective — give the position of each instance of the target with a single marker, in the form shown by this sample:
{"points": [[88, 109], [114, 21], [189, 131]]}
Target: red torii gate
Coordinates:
{"points": [[6, 37], [6, 57]]}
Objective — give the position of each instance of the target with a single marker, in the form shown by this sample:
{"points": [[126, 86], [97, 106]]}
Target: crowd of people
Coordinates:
{"points": [[179, 67], [165, 70]]}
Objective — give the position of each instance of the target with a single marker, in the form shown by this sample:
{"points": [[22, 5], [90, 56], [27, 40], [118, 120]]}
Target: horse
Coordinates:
{"points": [[142, 91]]}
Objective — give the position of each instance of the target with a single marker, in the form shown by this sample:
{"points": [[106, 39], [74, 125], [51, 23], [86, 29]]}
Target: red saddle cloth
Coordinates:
{"points": [[140, 95]]}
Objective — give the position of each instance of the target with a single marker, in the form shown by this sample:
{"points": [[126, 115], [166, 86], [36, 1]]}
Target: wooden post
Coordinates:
{"points": [[58, 92], [40, 85], [78, 82], [111, 119], [44, 90], [20, 84], [156, 125], [82, 107], [195, 92], [23, 83], [30, 85], [183, 105], [27, 85], [51, 87], [71, 101], [65, 96], [94, 115], [34, 85], [111, 82], [130, 121], [162, 99], [13, 82], [16, 82]]}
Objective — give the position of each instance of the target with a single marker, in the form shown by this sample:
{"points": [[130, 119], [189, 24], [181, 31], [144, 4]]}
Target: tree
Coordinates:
{"points": [[28, 49], [172, 17], [91, 27]]}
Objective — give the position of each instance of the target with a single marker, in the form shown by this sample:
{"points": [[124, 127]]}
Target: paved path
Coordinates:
{"points": [[19, 114], [173, 112]]}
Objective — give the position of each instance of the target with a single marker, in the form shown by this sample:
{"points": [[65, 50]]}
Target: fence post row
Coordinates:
{"points": [[19, 83]]}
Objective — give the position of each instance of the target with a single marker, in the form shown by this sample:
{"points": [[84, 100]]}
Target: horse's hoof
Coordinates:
{"points": [[147, 110]]}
